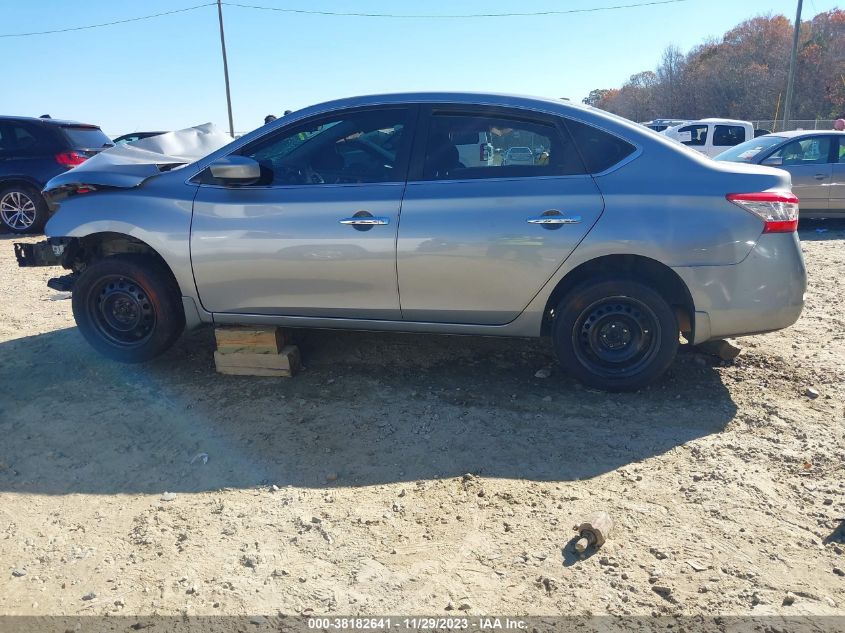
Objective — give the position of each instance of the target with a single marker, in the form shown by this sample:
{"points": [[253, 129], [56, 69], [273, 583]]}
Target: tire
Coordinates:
{"points": [[615, 334], [22, 209], [128, 307]]}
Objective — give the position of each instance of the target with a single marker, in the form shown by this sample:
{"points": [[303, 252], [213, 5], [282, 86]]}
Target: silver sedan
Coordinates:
{"points": [[814, 158], [360, 214]]}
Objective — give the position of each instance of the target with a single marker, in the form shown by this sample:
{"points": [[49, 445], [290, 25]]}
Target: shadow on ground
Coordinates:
{"points": [[369, 408], [821, 230]]}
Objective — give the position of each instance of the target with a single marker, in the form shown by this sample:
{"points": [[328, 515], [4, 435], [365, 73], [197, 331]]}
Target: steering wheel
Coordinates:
{"points": [[296, 175], [313, 177]]}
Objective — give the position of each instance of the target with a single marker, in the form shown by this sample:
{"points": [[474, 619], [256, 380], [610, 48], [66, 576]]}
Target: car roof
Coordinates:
{"points": [[469, 98], [718, 120], [59, 122], [799, 133]]}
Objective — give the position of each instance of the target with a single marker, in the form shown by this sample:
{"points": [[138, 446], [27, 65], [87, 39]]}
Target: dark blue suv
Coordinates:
{"points": [[31, 152]]}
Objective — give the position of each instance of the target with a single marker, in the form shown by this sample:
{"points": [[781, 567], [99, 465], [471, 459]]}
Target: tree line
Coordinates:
{"points": [[743, 75]]}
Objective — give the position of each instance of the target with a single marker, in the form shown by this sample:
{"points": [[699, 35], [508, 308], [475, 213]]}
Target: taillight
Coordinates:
{"points": [[70, 159], [777, 209]]}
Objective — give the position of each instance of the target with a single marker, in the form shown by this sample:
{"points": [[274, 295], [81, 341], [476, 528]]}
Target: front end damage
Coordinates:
{"points": [[55, 251]]}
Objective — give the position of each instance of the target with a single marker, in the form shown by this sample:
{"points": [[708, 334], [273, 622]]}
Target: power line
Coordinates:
{"points": [[96, 26], [435, 16], [432, 16]]}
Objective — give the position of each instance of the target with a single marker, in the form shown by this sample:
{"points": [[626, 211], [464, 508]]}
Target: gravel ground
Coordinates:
{"points": [[418, 474]]}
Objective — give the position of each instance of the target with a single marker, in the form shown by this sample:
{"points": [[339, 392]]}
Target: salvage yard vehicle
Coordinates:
{"points": [[301, 224], [518, 156], [135, 136], [711, 136], [31, 152], [814, 158]]}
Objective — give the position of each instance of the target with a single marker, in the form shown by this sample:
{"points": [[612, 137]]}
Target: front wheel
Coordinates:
{"points": [[615, 334], [128, 307]]}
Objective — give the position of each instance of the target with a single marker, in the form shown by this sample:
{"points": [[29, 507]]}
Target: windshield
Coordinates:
{"points": [[745, 152]]}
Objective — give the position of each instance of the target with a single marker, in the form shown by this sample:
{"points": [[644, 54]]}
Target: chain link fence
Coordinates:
{"points": [[803, 124]]}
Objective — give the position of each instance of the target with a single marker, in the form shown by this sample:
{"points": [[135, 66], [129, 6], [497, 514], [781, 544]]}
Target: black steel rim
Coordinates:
{"points": [[616, 337], [121, 311]]}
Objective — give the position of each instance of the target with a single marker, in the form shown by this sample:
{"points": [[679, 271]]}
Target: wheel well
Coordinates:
{"points": [[19, 182], [659, 276], [85, 250]]}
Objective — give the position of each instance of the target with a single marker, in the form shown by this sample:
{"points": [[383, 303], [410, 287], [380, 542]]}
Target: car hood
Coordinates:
{"points": [[130, 164]]}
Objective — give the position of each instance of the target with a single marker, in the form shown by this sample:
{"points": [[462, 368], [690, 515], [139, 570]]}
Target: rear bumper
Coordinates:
{"points": [[764, 292]]}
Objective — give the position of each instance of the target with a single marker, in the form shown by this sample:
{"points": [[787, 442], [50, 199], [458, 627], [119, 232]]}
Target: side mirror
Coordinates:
{"points": [[773, 161], [235, 170]]}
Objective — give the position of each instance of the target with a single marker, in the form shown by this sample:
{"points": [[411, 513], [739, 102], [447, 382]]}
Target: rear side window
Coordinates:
{"points": [[81, 137], [697, 135], [22, 140], [728, 135], [470, 146], [599, 149]]}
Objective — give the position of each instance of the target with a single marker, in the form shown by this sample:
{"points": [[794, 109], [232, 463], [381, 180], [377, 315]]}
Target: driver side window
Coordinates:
{"points": [[357, 147]]}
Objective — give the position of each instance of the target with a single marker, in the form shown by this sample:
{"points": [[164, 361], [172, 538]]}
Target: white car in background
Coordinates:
{"points": [[519, 156], [474, 148], [711, 136]]}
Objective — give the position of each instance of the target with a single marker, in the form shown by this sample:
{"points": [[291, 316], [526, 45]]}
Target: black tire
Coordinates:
{"points": [[128, 307], [615, 334], [22, 209]]}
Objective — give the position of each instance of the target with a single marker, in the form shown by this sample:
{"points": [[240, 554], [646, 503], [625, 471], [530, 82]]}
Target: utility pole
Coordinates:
{"points": [[225, 68], [790, 82]]}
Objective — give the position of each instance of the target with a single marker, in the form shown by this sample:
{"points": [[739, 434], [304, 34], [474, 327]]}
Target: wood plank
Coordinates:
{"points": [[235, 340], [255, 371], [288, 359]]}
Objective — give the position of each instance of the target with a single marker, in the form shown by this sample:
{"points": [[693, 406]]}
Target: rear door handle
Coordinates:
{"points": [[821, 176], [365, 221], [555, 219]]}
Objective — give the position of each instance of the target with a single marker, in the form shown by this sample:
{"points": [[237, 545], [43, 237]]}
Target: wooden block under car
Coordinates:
{"points": [[285, 363], [254, 340]]}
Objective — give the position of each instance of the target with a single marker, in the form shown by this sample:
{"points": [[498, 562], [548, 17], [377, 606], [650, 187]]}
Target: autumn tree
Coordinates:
{"points": [[742, 75]]}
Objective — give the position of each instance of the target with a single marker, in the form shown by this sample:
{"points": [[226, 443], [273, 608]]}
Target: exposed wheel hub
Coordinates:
{"points": [[615, 335]]}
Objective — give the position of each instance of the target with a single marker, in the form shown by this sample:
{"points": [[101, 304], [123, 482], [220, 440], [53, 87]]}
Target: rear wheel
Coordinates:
{"points": [[615, 334], [128, 307], [22, 209]]}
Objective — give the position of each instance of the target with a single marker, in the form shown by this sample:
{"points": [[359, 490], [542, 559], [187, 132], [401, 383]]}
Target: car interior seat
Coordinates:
{"points": [[441, 156]]}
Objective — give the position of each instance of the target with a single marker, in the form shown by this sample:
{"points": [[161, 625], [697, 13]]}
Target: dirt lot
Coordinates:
{"points": [[418, 474]]}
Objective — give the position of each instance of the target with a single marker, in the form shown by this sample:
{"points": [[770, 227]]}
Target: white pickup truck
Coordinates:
{"points": [[711, 136]]}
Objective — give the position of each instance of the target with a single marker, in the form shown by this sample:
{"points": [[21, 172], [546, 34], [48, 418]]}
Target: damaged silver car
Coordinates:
{"points": [[365, 213]]}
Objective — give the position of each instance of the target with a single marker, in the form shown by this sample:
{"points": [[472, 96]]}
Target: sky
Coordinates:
{"points": [[166, 73]]}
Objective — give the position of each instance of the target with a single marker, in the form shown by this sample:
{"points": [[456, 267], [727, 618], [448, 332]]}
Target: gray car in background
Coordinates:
{"points": [[814, 158], [359, 214]]}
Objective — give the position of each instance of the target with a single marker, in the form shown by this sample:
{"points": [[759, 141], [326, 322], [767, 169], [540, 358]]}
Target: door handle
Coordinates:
{"points": [[365, 221], [555, 219], [820, 176]]}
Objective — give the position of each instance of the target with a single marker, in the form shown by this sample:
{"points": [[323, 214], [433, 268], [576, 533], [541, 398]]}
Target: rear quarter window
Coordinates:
{"points": [[86, 137], [728, 135], [599, 149]]}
